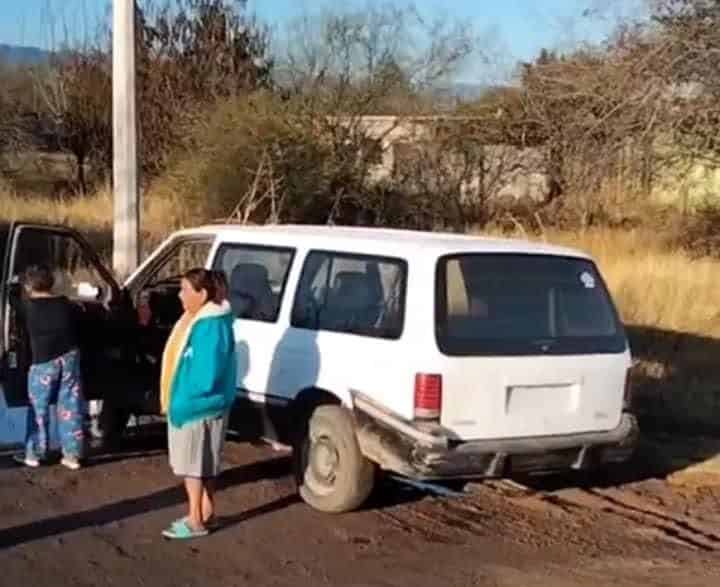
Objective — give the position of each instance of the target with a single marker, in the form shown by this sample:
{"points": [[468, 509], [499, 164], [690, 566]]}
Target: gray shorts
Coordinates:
{"points": [[195, 450]]}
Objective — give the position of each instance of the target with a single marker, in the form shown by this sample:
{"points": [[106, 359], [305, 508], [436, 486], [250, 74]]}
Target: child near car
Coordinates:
{"points": [[52, 324]]}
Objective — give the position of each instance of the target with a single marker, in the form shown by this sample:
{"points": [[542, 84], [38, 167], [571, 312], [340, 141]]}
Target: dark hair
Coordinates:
{"points": [[39, 278], [203, 279], [221, 286]]}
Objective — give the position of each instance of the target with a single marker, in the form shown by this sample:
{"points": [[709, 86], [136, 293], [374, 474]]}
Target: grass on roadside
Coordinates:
{"points": [[91, 214]]}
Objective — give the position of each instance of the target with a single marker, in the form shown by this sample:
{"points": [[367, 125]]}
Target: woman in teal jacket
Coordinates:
{"points": [[197, 390]]}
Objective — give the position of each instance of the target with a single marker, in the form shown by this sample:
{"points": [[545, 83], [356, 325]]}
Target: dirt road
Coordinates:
{"points": [[102, 527]]}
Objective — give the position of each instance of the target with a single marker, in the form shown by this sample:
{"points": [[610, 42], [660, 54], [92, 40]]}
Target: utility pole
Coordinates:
{"points": [[126, 217], [126, 209]]}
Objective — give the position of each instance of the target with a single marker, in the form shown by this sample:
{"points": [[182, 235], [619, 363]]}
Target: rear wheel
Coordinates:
{"points": [[333, 475]]}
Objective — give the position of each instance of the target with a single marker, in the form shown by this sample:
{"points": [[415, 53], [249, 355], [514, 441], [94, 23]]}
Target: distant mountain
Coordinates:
{"points": [[18, 55], [469, 91], [463, 91]]}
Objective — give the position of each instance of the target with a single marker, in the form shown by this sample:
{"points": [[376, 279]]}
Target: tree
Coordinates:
{"points": [[17, 123], [342, 66], [690, 31], [190, 53], [76, 108], [193, 53], [595, 112], [257, 156]]}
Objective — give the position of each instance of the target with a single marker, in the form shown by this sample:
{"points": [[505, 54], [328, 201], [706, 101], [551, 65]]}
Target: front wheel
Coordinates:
{"points": [[333, 475]]}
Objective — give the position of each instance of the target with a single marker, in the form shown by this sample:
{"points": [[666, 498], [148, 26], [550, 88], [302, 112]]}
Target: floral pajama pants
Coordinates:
{"points": [[59, 378]]}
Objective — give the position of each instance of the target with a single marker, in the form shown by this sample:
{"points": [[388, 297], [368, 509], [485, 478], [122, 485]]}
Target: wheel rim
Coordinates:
{"points": [[323, 464]]}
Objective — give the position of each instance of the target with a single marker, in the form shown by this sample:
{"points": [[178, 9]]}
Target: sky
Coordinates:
{"points": [[516, 29]]}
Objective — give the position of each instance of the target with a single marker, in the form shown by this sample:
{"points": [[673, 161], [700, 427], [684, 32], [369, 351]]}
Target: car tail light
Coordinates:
{"points": [[428, 396], [627, 393]]}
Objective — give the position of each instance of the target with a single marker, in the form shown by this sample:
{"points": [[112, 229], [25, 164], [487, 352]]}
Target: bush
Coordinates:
{"points": [[245, 149], [700, 235]]}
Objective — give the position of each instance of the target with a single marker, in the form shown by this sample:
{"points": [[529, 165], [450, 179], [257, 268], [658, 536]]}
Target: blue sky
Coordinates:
{"points": [[517, 29]]}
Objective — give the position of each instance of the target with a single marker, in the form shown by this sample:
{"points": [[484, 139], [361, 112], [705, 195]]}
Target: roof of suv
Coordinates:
{"points": [[380, 240]]}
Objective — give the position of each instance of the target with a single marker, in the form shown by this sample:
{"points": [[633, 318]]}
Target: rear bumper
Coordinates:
{"points": [[405, 449]]}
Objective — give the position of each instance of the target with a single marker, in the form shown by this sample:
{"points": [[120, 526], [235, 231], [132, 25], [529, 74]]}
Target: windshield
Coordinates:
{"points": [[511, 304]]}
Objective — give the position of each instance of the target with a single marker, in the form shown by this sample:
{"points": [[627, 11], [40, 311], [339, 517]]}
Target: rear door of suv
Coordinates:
{"points": [[532, 346]]}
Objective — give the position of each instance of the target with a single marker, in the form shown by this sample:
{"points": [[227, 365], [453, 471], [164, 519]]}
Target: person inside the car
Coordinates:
{"points": [[52, 324], [197, 390]]}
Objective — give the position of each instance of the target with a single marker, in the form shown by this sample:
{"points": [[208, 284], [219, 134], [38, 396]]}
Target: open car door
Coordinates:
{"points": [[105, 330]]}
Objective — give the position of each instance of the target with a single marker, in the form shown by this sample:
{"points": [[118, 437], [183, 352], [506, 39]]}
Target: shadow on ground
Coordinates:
{"points": [[676, 381], [656, 458], [165, 498]]}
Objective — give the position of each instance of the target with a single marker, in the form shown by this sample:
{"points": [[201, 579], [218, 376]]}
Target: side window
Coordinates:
{"points": [[354, 294], [185, 256], [257, 277], [76, 274]]}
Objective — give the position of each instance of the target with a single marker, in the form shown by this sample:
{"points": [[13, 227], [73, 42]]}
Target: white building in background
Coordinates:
{"points": [[510, 173]]}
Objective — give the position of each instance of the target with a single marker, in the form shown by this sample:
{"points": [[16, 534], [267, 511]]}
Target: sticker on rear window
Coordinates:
{"points": [[587, 280]]}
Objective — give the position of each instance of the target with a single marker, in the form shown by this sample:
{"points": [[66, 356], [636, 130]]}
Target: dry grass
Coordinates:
{"points": [[91, 214], [654, 286]]}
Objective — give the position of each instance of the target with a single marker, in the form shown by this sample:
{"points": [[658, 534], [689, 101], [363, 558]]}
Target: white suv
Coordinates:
{"points": [[432, 356]]}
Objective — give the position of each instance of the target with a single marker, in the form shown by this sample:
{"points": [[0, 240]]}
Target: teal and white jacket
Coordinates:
{"points": [[199, 368]]}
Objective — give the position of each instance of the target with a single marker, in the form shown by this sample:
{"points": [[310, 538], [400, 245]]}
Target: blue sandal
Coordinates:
{"points": [[212, 523], [181, 530]]}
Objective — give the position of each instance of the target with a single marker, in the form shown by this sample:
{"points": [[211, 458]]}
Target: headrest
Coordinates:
{"points": [[350, 281], [245, 275]]}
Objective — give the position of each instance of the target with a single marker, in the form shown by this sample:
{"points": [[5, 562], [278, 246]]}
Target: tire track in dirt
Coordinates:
{"points": [[489, 513], [409, 526], [539, 519], [676, 527]]}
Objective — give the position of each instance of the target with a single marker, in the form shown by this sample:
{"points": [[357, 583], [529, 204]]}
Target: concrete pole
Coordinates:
{"points": [[126, 209], [125, 180]]}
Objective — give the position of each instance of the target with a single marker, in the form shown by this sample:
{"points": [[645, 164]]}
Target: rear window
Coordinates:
{"points": [[507, 304]]}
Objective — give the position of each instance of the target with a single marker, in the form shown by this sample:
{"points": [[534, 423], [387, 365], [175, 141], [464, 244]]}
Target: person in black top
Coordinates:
{"points": [[52, 323]]}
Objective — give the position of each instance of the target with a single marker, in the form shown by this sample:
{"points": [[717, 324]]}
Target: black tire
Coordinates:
{"points": [[112, 422], [333, 475]]}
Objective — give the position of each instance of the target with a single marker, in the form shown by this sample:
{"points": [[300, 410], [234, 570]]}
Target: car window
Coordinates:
{"points": [[355, 294], [256, 277], [183, 257], [76, 274], [507, 304]]}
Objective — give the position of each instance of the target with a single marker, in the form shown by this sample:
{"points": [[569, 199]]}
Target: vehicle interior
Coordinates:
{"points": [[351, 295], [251, 294], [78, 276], [256, 276], [155, 298]]}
